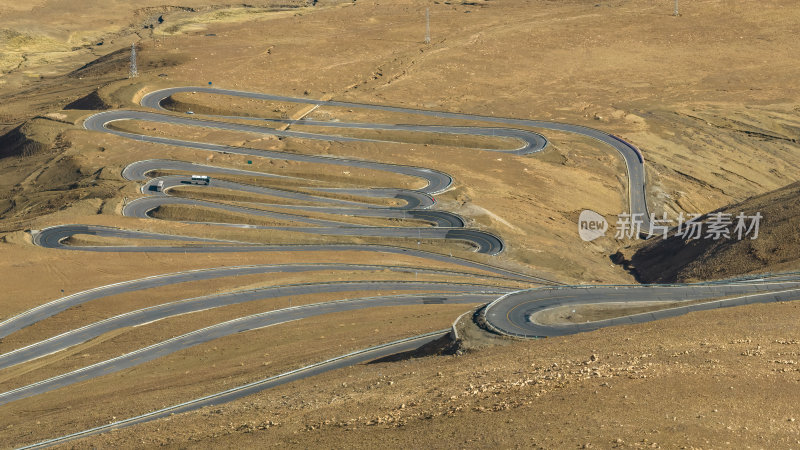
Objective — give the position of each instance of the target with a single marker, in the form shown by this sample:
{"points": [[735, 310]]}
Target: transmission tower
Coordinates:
{"points": [[675, 13], [134, 72], [427, 25]]}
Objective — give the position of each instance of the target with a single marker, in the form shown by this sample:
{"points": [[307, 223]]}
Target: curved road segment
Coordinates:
{"points": [[436, 181], [448, 225], [350, 359], [632, 156], [54, 237], [516, 312], [239, 325]]}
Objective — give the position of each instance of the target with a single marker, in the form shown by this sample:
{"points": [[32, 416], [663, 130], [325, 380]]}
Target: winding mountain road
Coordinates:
{"points": [[510, 311], [347, 360], [634, 160], [448, 225], [223, 329], [516, 313]]}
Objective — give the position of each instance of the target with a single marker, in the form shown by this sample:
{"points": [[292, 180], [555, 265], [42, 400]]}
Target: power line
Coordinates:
{"points": [[134, 72], [427, 25]]}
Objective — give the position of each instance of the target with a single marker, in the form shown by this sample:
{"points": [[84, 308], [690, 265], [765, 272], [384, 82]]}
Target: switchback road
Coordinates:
{"points": [[510, 311]]}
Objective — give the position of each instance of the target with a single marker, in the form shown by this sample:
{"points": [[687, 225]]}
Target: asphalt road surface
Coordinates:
{"points": [[515, 313], [54, 307], [510, 312], [632, 156], [448, 225], [437, 181], [350, 359], [54, 237], [480, 294]]}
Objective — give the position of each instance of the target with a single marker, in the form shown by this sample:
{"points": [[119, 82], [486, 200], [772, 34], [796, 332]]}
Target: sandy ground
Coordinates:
{"points": [[709, 379], [590, 313], [715, 136], [774, 249], [213, 367], [709, 96]]}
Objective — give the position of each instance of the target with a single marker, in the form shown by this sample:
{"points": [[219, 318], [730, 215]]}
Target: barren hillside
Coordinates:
{"points": [[776, 249], [709, 96], [711, 379]]}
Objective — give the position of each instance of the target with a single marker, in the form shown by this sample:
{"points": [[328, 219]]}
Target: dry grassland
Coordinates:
{"points": [[710, 97]]}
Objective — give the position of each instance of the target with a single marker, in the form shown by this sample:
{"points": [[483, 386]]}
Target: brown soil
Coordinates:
{"points": [[700, 380], [591, 313], [122, 341], [218, 194], [91, 101], [223, 105], [775, 249], [692, 91], [424, 138], [224, 363], [203, 214]]}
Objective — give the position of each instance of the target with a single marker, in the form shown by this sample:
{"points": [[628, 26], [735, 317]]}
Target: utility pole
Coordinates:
{"points": [[675, 13], [427, 25], [133, 71]]}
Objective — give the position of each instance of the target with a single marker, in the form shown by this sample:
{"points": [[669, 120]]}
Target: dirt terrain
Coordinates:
{"points": [[683, 259], [710, 97], [710, 379]]}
